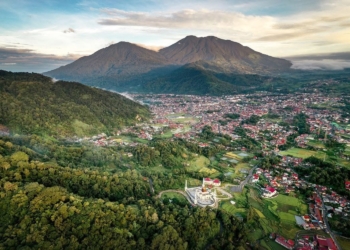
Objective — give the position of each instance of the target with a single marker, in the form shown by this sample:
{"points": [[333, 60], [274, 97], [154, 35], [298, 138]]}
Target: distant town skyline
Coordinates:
{"points": [[45, 34]]}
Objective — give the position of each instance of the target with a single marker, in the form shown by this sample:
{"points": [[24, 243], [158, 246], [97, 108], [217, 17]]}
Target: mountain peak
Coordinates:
{"points": [[124, 61]]}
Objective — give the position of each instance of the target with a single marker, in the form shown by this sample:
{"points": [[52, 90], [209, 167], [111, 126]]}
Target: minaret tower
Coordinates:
{"points": [[185, 185]]}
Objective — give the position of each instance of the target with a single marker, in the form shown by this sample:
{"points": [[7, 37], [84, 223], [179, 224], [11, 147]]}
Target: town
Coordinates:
{"points": [[288, 128]]}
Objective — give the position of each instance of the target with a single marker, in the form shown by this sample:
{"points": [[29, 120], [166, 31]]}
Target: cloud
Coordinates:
{"points": [[321, 61], [69, 30], [324, 64], [29, 60], [150, 47], [8, 63], [186, 19]]}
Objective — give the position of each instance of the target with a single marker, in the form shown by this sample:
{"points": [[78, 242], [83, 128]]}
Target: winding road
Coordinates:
{"points": [[325, 219], [239, 188]]}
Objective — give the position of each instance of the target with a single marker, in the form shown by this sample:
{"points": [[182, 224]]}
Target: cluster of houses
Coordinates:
{"points": [[314, 242], [212, 182], [287, 243], [285, 180]]}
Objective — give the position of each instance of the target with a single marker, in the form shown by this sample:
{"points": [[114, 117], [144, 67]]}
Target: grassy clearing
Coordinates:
{"points": [[278, 213], [303, 153], [288, 200], [208, 171], [272, 245], [316, 144], [344, 243], [198, 163], [173, 195], [259, 213], [347, 151], [287, 217], [233, 209], [167, 134]]}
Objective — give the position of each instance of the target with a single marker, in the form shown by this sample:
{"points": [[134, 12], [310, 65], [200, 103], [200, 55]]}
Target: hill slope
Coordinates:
{"points": [[229, 55], [117, 61], [194, 78], [32, 103], [128, 67]]}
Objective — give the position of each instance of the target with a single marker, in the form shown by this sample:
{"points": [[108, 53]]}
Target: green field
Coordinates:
{"points": [[173, 195], [316, 144], [344, 243], [347, 151], [279, 213], [303, 153], [239, 207], [199, 163]]}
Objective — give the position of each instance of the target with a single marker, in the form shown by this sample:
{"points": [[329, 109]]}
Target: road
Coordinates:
{"points": [[175, 191], [325, 219], [239, 188]]}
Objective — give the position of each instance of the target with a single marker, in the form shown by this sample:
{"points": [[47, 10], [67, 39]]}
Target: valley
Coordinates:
{"points": [[250, 143]]}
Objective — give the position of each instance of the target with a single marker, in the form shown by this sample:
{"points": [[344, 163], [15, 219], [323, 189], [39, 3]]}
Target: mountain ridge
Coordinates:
{"points": [[36, 105], [128, 67]]}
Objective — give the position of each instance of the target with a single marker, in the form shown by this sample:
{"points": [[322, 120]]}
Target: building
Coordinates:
{"points": [[269, 192], [201, 196], [215, 182], [347, 185], [255, 178]]}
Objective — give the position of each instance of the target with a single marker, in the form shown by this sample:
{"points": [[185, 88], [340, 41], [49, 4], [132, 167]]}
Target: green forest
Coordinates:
{"points": [[34, 104], [47, 206]]}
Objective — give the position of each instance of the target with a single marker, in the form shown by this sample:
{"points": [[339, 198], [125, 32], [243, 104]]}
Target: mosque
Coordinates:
{"points": [[201, 196]]}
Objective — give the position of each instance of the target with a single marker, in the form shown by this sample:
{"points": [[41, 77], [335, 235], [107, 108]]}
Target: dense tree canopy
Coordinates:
{"points": [[33, 104], [46, 206]]}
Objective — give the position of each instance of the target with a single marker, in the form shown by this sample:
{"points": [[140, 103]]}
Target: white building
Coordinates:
{"points": [[201, 196], [269, 192]]}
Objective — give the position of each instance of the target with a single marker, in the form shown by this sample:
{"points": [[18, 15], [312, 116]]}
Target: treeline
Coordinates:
{"points": [[169, 154], [33, 104], [50, 207], [68, 154], [326, 174]]}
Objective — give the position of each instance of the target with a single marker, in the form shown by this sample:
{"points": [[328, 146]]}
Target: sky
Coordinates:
{"points": [[40, 35]]}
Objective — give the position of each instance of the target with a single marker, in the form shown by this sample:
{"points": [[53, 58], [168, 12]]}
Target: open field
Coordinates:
{"points": [[287, 200], [239, 207], [232, 209], [278, 212], [344, 243], [173, 195], [303, 153], [182, 118], [316, 144], [198, 163]]}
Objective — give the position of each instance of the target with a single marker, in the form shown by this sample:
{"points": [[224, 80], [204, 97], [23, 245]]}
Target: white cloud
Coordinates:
{"points": [[325, 64]]}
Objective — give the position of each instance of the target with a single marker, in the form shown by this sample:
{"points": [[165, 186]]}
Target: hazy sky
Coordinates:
{"points": [[39, 35]]}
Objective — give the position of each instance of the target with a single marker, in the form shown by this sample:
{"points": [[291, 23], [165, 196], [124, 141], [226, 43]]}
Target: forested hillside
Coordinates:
{"points": [[32, 103], [46, 206]]}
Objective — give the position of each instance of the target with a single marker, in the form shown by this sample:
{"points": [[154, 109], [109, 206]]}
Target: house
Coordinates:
{"points": [[216, 182], [255, 178], [207, 181], [269, 192], [289, 244], [347, 185]]}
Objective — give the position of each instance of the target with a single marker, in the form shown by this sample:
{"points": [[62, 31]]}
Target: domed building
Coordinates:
{"points": [[201, 196]]}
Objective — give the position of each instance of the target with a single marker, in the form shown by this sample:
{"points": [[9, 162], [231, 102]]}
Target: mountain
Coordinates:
{"points": [[33, 104], [128, 67], [194, 78], [114, 63], [229, 55]]}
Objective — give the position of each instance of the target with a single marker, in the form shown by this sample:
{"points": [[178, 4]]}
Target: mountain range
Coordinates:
{"points": [[201, 65]]}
